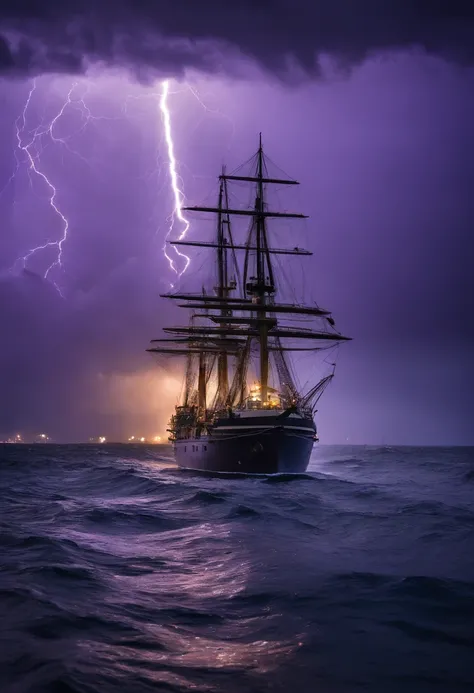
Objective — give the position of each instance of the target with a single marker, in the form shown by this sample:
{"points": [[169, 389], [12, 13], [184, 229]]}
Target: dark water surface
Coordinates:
{"points": [[119, 573]]}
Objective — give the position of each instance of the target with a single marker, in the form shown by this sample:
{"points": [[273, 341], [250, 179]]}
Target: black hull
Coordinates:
{"points": [[277, 451]]}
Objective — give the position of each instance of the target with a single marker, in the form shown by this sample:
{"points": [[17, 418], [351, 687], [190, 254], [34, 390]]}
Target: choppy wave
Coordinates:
{"points": [[119, 573]]}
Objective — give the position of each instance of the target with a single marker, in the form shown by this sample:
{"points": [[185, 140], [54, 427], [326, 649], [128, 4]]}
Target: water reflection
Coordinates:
{"points": [[178, 587]]}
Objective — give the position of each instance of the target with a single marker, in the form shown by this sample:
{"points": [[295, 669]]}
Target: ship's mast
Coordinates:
{"points": [[202, 384], [222, 293], [261, 289], [253, 314]]}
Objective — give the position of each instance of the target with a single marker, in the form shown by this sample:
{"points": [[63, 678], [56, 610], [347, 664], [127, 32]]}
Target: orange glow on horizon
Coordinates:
{"points": [[139, 404]]}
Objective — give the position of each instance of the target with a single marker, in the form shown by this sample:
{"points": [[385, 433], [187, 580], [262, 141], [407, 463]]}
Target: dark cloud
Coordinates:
{"points": [[172, 35]]}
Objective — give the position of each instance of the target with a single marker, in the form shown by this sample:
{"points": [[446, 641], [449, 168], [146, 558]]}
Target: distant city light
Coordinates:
{"points": [[45, 438], [144, 439], [20, 438], [41, 438]]}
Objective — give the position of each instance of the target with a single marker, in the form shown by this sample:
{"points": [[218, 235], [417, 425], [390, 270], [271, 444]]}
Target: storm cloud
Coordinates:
{"points": [[152, 37]]}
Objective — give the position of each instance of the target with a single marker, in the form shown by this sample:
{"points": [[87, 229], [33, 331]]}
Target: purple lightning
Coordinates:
{"points": [[33, 166], [33, 148], [31, 143], [176, 185]]}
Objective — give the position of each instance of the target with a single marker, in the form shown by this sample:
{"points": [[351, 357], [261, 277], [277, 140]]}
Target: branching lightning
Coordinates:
{"points": [[33, 167], [176, 184], [31, 143], [32, 149]]}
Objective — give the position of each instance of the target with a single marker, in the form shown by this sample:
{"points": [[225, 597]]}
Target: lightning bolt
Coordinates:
{"points": [[32, 151], [30, 144], [176, 183]]}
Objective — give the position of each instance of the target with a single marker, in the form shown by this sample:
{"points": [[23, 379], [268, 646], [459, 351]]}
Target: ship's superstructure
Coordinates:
{"points": [[241, 409]]}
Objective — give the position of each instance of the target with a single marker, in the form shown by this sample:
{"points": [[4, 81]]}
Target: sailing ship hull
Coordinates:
{"points": [[273, 450]]}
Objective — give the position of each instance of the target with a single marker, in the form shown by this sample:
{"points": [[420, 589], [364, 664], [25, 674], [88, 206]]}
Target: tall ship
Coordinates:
{"points": [[242, 410]]}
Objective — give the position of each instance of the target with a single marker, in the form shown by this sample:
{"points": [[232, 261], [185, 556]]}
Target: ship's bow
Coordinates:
{"points": [[251, 445]]}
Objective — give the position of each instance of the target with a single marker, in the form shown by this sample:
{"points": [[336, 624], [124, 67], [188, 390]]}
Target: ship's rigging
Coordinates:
{"points": [[241, 321]]}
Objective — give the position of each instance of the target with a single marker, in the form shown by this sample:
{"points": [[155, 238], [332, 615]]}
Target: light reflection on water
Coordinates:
{"points": [[177, 591]]}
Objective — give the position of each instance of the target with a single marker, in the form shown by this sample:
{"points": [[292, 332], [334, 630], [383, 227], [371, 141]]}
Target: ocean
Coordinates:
{"points": [[121, 574]]}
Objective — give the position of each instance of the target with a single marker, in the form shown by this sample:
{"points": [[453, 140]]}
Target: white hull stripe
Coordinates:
{"points": [[263, 428]]}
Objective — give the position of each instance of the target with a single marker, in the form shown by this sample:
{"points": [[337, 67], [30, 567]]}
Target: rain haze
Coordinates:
{"points": [[371, 111]]}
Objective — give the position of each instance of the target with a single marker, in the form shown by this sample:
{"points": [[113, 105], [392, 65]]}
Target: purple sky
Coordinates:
{"points": [[384, 155]]}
